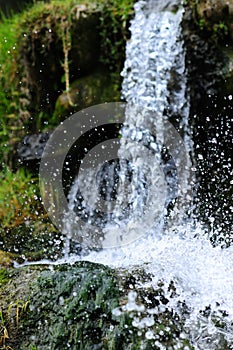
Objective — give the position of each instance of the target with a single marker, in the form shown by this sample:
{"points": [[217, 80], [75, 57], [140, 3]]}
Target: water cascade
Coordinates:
{"points": [[172, 245]]}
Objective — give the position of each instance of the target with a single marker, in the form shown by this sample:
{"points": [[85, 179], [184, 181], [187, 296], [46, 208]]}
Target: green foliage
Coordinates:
{"points": [[217, 31], [220, 29], [18, 198], [8, 81], [4, 278], [25, 228], [201, 23]]}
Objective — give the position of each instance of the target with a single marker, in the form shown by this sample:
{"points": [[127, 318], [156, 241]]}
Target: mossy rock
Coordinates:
{"points": [[88, 306], [216, 16], [87, 91], [72, 307]]}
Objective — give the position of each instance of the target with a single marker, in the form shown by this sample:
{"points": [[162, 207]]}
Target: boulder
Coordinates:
{"points": [[90, 306], [30, 150], [86, 91]]}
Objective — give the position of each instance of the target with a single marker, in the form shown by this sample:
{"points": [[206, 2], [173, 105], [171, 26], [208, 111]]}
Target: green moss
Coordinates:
{"points": [[71, 307], [74, 304], [4, 277]]}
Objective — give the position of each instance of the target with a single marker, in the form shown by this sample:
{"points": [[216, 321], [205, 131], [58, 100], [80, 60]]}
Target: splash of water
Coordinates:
{"points": [[155, 88], [154, 77]]}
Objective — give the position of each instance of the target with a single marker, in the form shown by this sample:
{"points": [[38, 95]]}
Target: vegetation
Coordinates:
{"points": [[41, 42], [58, 40], [11, 318], [18, 198], [4, 277], [24, 224]]}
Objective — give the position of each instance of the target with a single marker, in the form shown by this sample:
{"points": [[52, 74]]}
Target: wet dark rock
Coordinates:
{"points": [[30, 150], [32, 146]]}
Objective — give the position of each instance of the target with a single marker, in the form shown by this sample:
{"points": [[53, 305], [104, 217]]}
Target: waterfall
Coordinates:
{"points": [[155, 89], [155, 86], [154, 167], [154, 71]]}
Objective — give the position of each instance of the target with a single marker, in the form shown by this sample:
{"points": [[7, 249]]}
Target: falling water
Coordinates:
{"points": [[155, 89], [154, 71]]}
